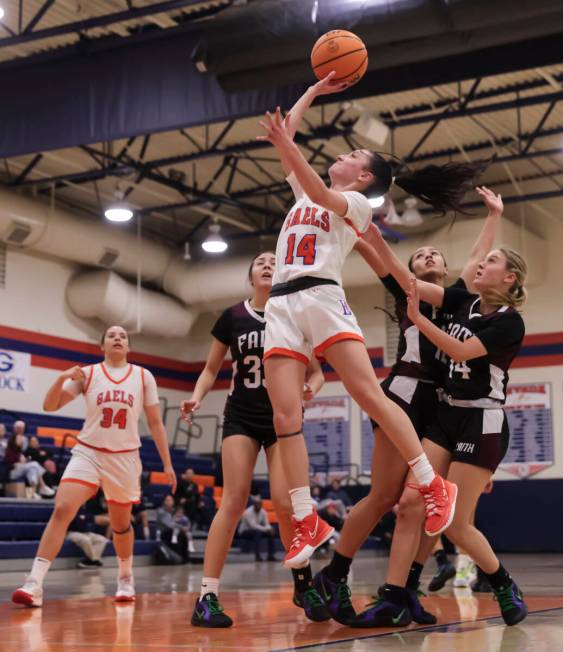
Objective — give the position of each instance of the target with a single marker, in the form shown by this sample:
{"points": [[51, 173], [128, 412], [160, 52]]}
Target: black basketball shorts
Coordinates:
{"points": [[240, 419]]}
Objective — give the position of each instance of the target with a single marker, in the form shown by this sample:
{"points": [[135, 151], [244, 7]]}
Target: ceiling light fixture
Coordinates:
{"points": [[376, 202], [214, 243], [118, 213], [2, 13]]}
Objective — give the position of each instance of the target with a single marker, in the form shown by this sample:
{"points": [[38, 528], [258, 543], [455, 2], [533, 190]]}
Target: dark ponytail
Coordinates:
{"points": [[441, 186]]}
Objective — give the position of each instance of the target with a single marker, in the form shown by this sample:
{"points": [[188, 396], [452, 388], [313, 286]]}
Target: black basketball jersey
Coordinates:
{"points": [[417, 356], [501, 333], [242, 329]]}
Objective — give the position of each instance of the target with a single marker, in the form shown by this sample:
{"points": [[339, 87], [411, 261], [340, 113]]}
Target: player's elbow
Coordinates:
{"points": [[458, 355]]}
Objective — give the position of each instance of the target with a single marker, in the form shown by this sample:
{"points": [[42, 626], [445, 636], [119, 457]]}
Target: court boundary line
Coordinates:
{"points": [[426, 628]]}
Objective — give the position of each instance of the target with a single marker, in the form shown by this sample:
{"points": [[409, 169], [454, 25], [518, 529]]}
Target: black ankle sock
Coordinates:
{"points": [[413, 579], [302, 578], [500, 578], [441, 557], [394, 594], [338, 568]]}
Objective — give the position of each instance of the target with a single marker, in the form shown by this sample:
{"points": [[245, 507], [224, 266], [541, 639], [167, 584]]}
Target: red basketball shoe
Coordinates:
{"points": [[439, 504], [310, 533]]}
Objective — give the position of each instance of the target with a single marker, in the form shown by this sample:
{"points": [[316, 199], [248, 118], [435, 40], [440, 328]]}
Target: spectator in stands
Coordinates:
{"points": [[20, 467], [19, 429], [174, 527], [81, 533], [337, 492], [255, 526], [97, 507], [3, 441], [35, 453], [188, 496]]}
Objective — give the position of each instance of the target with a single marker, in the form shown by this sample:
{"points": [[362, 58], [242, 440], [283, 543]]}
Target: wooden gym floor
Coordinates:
{"points": [[79, 614]]}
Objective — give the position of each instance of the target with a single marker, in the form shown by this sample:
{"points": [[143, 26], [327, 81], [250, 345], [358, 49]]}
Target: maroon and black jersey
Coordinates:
{"points": [[417, 356], [242, 329], [501, 333]]}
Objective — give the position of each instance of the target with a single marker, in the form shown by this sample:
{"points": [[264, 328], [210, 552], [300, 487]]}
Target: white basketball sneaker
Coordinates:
{"points": [[125, 589], [30, 594]]}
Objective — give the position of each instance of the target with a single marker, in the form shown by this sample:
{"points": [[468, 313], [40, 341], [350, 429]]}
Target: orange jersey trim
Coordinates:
{"points": [[107, 450], [339, 337], [83, 482], [126, 504], [286, 353], [87, 383], [352, 226], [116, 382]]}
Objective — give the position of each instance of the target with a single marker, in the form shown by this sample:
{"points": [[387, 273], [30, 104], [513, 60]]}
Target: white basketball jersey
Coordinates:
{"points": [[113, 407], [314, 241]]}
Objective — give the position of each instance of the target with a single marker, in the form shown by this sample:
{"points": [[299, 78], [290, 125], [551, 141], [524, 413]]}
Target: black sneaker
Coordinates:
{"points": [[209, 613], [336, 596], [418, 612], [382, 613], [512, 605], [444, 573], [88, 563], [312, 603]]}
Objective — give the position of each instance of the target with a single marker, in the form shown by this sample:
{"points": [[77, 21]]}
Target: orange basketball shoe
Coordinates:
{"points": [[309, 534], [439, 504]]}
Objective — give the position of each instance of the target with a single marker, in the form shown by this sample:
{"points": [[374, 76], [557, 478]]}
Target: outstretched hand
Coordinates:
{"points": [[326, 86], [492, 202], [277, 129], [413, 301]]}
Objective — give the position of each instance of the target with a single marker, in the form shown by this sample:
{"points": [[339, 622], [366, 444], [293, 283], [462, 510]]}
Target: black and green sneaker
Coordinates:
{"points": [[512, 605], [312, 604], [336, 596], [209, 613]]}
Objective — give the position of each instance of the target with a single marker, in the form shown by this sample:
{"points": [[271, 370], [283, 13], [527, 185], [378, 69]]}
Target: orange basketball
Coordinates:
{"points": [[341, 51]]}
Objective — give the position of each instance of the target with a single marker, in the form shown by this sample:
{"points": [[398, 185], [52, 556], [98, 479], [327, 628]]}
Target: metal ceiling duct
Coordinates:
{"points": [[269, 42]]}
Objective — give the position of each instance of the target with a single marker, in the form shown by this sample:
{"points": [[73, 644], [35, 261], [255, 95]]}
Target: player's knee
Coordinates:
{"points": [[287, 422], [411, 506], [457, 530], [282, 507], [64, 512], [233, 504], [382, 501]]}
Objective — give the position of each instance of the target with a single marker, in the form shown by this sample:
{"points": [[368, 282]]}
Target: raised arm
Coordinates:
{"points": [[57, 396], [323, 87], [278, 132], [484, 242], [370, 255], [206, 379]]}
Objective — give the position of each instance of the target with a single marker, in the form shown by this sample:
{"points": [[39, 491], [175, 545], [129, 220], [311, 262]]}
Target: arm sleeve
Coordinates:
{"points": [[454, 297], [359, 211], [298, 192], [151, 390], [506, 331], [223, 328], [391, 285]]}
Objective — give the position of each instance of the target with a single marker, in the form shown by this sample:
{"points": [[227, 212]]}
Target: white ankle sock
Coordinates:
{"points": [[125, 567], [301, 502], [209, 585], [39, 569], [422, 470]]}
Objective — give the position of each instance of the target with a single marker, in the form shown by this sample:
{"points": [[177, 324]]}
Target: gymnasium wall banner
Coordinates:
{"points": [[530, 418], [14, 371], [326, 426]]}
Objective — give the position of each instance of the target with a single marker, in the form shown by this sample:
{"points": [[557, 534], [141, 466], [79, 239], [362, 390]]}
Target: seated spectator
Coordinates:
{"points": [[187, 495], [97, 508], [19, 467], [255, 526], [19, 429], [140, 516], [174, 527], [3, 441], [35, 453], [338, 493], [81, 533]]}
